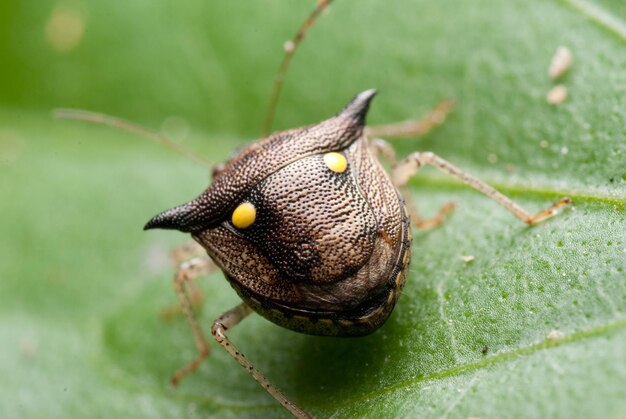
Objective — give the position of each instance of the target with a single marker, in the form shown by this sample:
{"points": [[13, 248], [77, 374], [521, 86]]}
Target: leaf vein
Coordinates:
{"points": [[599, 16], [447, 323], [461, 396], [494, 360], [522, 190]]}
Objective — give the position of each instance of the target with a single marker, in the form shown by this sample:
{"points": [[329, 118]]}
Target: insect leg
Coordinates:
{"points": [[426, 223], [178, 256], [186, 272], [230, 319], [185, 252], [382, 148], [413, 128], [410, 165]]}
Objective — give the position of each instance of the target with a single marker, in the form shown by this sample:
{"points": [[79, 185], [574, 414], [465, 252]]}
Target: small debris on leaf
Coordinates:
{"points": [[554, 335], [29, 347], [557, 95], [561, 62], [289, 46], [467, 259]]}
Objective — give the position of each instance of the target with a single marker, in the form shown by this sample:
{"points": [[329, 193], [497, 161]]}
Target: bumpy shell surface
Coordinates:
{"points": [[328, 251]]}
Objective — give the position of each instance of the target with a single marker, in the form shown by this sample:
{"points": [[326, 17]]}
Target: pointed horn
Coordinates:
{"points": [[358, 106], [184, 218]]}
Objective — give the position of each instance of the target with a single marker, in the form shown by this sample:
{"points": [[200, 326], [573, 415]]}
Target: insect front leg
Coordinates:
{"points": [[186, 272], [230, 319], [410, 165], [186, 251], [178, 256]]}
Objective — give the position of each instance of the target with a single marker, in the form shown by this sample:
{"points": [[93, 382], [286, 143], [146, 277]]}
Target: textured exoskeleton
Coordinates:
{"points": [[328, 248]]}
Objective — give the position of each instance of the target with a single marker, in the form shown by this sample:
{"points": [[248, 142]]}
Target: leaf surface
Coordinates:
{"points": [[534, 326]]}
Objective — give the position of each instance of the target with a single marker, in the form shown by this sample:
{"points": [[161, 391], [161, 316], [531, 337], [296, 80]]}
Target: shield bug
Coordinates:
{"points": [[308, 227]]}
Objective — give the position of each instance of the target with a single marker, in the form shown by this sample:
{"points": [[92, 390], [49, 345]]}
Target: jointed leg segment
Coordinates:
{"points": [[178, 257], [230, 319], [379, 147], [186, 251], [426, 223], [186, 272], [413, 128], [410, 165], [382, 148]]}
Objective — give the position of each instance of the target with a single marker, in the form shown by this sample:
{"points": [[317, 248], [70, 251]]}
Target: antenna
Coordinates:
{"points": [[103, 119], [290, 50]]}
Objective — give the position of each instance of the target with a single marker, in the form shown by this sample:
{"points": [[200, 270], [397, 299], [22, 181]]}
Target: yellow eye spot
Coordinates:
{"points": [[336, 162], [244, 215]]}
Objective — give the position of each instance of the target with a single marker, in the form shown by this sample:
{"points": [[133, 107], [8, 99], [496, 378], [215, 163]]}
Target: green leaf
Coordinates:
{"points": [[535, 326]]}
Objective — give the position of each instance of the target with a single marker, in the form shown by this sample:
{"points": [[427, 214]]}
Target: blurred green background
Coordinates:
{"points": [[82, 287]]}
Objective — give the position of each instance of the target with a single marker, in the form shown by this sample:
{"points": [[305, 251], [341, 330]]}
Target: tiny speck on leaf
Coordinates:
{"points": [[467, 258], [554, 335], [561, 62], [557, 95]]}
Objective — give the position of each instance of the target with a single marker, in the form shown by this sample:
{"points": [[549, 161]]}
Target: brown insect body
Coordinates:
{"points": [[328, 251]]}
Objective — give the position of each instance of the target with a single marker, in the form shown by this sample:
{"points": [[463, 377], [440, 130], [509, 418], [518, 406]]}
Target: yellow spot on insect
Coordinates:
{"points": [[244, 215], [336, 162]]}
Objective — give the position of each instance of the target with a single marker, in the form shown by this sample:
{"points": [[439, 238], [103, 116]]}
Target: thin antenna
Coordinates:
{"points": [[290, 50], [100, 118]]}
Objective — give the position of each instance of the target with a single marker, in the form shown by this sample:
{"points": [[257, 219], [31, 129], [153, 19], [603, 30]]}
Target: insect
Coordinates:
{"points": [[308, 227], [310, 231]]}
